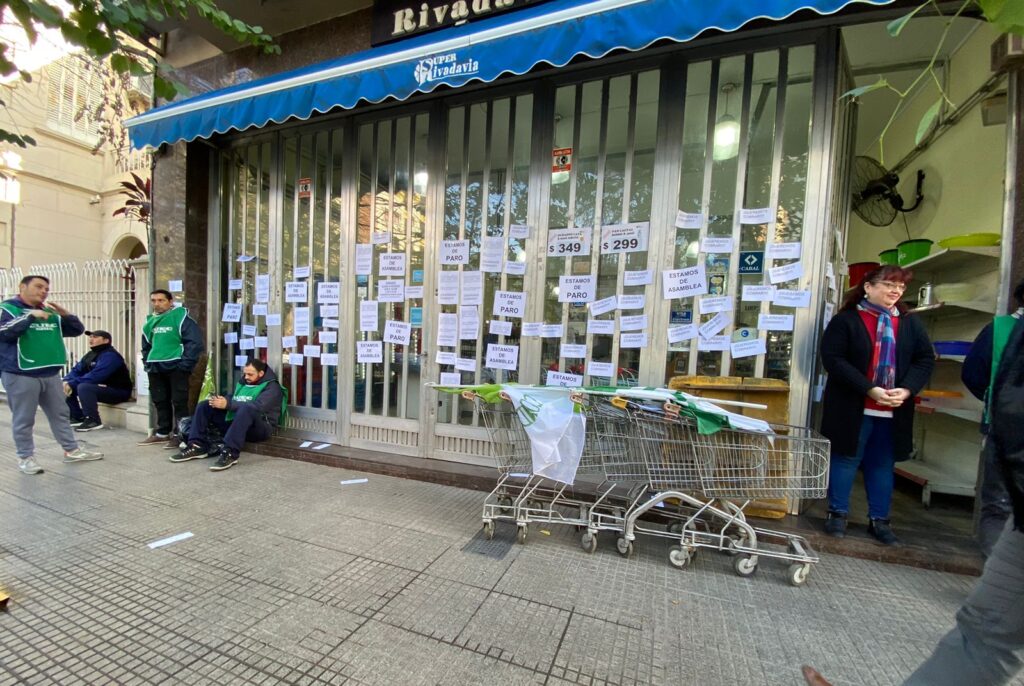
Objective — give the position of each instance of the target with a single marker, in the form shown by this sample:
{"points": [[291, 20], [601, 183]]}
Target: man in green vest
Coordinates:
{"points": [[32, 356], [251, 414], [171, 346], [978, 375]]}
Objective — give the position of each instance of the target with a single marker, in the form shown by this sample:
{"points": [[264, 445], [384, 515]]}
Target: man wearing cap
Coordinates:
{"points": [[32, 355], [100, 376]]}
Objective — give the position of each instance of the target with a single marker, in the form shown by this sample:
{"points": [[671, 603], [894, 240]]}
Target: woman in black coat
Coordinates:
{"points": [[877, 359]]}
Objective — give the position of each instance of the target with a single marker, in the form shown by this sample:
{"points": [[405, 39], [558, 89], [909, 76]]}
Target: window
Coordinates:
{"points": [[74, 93]]}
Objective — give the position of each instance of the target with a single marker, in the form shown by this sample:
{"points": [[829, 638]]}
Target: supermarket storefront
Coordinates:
{"points": [[575, 193]]}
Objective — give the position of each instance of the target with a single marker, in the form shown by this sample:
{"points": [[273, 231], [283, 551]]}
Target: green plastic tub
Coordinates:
{"points": [[913, 250], [890, 256]]}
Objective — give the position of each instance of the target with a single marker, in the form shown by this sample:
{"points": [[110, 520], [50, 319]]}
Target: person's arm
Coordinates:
{"points": [[268, 402], [70, 325], [107, 363], [922, 361], [835, 351], [977, 368], [11, 327], [74, 377], [192, 344], [146, 347]]}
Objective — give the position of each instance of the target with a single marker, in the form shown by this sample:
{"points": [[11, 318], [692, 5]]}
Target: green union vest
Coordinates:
{"points": [[163, 331], [245, 393], [42, 345], [1002, 327]]}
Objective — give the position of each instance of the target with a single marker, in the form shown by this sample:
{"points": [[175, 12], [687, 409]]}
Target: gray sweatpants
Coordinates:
{"points": [[985, 646], [25, 394]]}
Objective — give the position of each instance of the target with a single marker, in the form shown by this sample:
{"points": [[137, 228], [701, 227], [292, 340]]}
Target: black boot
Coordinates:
{"points": [[835, 524], [880, 529]]}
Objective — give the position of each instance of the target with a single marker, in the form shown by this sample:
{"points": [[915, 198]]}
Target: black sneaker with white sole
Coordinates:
{"points": [[192, 452], [227, 460], [75, 422], [89, 425]]}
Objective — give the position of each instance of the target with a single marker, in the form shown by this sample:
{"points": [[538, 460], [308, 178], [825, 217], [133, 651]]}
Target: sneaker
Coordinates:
{"points": [[81, 455], [192, 452], [880, 529], [29, 466], [155, 439], [835, 524], [89, 425], [77, 421], [174, 443], [226, 460]]}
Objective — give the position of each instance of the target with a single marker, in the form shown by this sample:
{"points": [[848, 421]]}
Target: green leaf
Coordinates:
{"points": [[1006, 15], [46, 13], [857, 92], [925, 125], [26, 76], [895, 26]]}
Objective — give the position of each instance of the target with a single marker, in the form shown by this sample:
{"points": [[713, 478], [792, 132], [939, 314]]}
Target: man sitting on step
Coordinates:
{"points": [[250, 414], [101, 376]]}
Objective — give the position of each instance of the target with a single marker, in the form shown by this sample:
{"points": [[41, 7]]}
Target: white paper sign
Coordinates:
{"points": [[465, 364], [532, 328], [261, 341], [519, 231], [380, 237], [448, 329], [601, 369], [295, 291], [445, 358], [245, 258], [327, 337], [634, 323], [719, 303], [509, 304], [754, 346], [469, 323], [364, 259], [563, 379], [174, 286], [625, 238], [300, 272], [716, 244], [234, 284], [311, 351], [573, 350], [329, 359], [576, 289], [638, 278], [328, 292], [451, 378], [455, 252], [391, 291], [568, 242], [714, 343], [756, 215], [274, 319], [784, 298], [329, 310], [492, 253], [775, 322], [515, 268], [830, 310], [413, 292], [502, 356], [296, 359], [232, 312], [714, 325], [301, 321], [601, 326], [599, 307], [231, 337], [241, 360], [758, 293], [497, 328], [391, 264], [259, 309], [683, 332], [263, 288], [683, 283], [448, 288], [688, 220], [248, 329], [397, 332], [778, 251], [551, 331], [472, 285], [369, 352], [632, 301], [246, 344], [633, 340], [288, 341], [786, 272]]}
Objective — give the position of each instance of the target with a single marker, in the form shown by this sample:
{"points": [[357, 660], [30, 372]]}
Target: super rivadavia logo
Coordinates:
{"points": [[441, 67]]}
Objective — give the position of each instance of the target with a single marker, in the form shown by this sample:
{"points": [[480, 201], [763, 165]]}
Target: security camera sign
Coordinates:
{"points": [[561, 160], [305, 188]]}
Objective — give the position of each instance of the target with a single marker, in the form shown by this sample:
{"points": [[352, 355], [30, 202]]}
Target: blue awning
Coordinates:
{"points": [[513, 43]]}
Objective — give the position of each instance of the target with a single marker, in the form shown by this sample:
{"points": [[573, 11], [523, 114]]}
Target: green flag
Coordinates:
{"points": [[208, 388]]}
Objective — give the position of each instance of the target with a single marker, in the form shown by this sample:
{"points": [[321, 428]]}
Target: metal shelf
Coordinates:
{"points": [[961, 413], [958, 258]]}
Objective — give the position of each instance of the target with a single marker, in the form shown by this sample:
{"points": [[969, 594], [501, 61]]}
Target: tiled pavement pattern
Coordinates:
{"points": [[294, 578]]}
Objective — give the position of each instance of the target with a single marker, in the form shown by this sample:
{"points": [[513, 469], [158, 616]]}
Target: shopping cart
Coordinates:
{"points": [[701, 482]]}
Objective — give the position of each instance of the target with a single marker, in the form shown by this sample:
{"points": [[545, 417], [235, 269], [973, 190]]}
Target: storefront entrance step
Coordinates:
{"points": [[925, 549]]}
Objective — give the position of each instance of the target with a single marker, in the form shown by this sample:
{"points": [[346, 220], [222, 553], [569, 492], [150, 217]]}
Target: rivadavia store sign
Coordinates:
{"points": [[397, 19]]}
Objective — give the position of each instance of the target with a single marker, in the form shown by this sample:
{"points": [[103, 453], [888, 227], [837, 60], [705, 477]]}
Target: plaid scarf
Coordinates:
{"points": [[884, 357]]}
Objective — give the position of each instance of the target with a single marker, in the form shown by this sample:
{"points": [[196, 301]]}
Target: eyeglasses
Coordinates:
{"points": [[892, 285]]}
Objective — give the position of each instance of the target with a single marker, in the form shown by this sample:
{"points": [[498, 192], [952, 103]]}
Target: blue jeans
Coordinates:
{"points": [[83, 400], [875, 458], [249, 424]]}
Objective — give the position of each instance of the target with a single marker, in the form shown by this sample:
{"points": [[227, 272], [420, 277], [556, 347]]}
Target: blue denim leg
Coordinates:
{"points": [[843, 470], [877, 464]]}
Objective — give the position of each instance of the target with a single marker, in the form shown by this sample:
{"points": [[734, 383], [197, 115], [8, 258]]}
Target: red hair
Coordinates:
{"points": [[887, 272]]}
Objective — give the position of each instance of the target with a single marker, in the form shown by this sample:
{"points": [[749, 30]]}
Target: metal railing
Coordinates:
{"points": [[101, 293]]}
